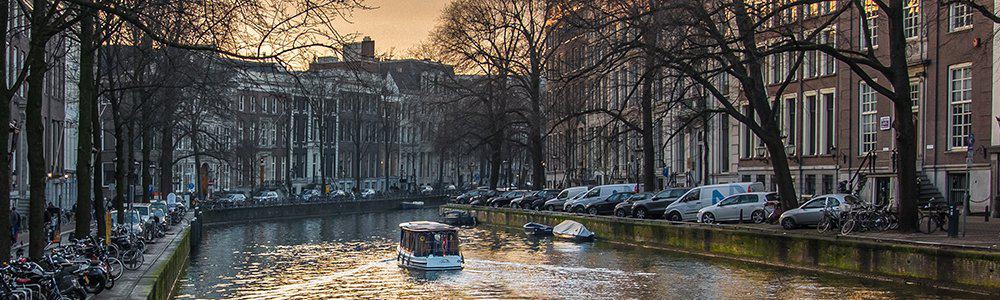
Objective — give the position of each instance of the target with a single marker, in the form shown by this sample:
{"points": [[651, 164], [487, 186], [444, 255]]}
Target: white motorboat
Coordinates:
{"points": [[430, 246]]}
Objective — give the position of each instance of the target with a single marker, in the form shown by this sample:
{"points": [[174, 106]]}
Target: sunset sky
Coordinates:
{"points": [[399, 24]]}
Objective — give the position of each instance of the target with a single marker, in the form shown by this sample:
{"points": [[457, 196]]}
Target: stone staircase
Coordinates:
{"points": [[927, 190]]}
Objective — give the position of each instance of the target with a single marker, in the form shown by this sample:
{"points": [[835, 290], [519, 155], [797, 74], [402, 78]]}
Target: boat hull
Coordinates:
{"points": [[575, 238], [429, 263]]}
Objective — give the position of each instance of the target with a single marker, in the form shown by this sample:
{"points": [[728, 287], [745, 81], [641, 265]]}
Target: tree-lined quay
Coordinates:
{"points": [[857, 117]]}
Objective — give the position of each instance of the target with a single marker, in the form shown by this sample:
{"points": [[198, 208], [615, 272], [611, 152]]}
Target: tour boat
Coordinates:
{"points": [[430, 246]]}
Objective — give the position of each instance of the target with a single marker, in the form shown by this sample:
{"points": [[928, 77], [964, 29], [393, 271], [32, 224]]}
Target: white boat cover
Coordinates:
{"points": [[571, 228]]}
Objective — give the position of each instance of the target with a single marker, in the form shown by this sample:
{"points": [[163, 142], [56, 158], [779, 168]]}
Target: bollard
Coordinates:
{"points": [[986, 214]]}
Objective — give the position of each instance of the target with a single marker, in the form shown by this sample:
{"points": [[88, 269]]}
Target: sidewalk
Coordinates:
{"points": [[66, 229], [979, 234], [131, 284]]}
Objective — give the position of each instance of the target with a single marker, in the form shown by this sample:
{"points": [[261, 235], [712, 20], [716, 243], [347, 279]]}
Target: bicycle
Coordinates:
{"points": [[932, 218]]}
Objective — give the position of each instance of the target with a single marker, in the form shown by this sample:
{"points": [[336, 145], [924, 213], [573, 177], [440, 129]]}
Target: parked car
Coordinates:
{"points": [[624, 208], [368, 193], [607, 204], [686, 207], [307, 195], [809, 213], [482, 197], [556, 204], [267, 196], [133, 221], [505, 198], [144, 210], [450, 187], [233, 198], [424, 190], [746, 206], [598, 194], [529, 200], [653, 207]]}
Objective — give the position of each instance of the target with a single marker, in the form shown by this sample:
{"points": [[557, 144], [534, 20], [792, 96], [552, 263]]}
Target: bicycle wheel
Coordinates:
{"points": [[927, 225], [824, 224], [133, 260], [113, 251], [115, 268], [848, 226], [881, 223]]}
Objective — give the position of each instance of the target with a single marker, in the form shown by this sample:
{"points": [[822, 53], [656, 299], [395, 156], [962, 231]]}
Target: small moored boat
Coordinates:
{"points": [[457, 218], [430, 246], [411, 204], [535, 229], [573, 230]]}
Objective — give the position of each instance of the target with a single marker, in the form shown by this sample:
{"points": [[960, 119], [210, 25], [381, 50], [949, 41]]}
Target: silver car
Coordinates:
{"points": [[812, 211]]}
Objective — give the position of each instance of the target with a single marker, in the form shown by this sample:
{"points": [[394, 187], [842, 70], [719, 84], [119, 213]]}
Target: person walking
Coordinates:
{"points": [[15, 225]]}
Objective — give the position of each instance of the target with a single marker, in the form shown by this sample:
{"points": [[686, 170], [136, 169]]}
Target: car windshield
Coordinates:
{"points": [[129, 218], [509, 194], [593, 192], [143, 210], [674, 193]]}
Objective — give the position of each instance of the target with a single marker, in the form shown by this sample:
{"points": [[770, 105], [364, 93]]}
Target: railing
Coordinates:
{"points": [[297, 200]]}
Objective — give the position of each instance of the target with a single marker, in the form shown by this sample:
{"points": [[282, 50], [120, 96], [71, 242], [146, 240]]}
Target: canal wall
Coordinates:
{"points": [[298, 210], [163, 279], [949, 267]]}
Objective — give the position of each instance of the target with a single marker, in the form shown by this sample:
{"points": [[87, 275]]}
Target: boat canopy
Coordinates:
{"points": [[428, 238], [426, 226], [572, 228]]}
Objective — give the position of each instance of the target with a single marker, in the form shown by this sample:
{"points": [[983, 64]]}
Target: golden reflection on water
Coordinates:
{"points": [[353, 257]]}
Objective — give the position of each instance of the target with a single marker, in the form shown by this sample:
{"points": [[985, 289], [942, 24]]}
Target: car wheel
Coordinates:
{"points": [[674, 216], [620, 213], [550, 207], [708, 218], [757, 216], [788, 223], [640, 213], [592, 211]]}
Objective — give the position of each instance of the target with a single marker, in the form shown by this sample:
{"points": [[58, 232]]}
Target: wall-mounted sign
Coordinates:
{"points": [[885, 123]]}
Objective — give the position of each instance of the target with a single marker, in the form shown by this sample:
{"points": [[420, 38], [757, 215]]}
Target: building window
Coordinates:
{"points": [[810, 65], [959, 17], [911, 19], [790, 120], [828, 63], [871, 18], [724, 144], [960, 104], [868, 119], [827, 184], [810, 126], [828, 118], [810, 182]]}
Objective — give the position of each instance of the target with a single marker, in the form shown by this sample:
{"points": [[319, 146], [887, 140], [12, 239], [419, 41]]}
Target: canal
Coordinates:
{"points": [[352, 256]]}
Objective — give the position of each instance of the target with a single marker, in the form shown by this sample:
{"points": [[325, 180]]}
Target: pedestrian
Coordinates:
{"points": [[15, 225]]}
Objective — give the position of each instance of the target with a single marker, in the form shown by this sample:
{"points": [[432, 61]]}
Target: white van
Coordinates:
{"points": [[599, 192], [686, 207], [567, 194]]}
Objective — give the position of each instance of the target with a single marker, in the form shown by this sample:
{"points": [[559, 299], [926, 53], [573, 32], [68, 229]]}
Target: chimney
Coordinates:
{"points": [[368, 48]]}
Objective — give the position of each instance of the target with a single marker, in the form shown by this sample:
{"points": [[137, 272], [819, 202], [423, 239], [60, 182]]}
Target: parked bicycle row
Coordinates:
{"points": [[719, 203]]}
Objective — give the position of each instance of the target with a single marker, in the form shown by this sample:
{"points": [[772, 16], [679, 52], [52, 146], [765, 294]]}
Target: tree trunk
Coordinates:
{"points": [[5, 159], [536, 143], [147, 175], [167, 157], [648, 145], [495, 160], [906, 170], [100, 210], [36, 132], [120, 160], [84, 134]]}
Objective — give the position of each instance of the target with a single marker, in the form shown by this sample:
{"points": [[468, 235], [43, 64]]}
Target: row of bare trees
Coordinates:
{"points": [[152, 70], [717, 51]]}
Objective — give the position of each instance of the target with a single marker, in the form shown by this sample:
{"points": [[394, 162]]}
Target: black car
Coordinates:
{"points": [[528, 201], [504, 199], [607, 205], [655, 206], [624, 208], [480, 198], [464, 197]]}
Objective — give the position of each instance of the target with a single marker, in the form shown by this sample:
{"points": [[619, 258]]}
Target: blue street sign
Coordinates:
{"points": [[190, 186], [666, 171]]}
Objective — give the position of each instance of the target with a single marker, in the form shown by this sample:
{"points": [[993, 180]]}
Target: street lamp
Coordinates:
{"points": [[760, 150]]}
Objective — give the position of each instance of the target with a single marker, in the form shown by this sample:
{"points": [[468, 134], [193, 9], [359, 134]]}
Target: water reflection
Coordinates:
{"points": [[352, 256]]}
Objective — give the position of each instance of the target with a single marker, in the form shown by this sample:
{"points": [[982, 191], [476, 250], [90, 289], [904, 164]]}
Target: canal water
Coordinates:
{"points": [[352, 256]]}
